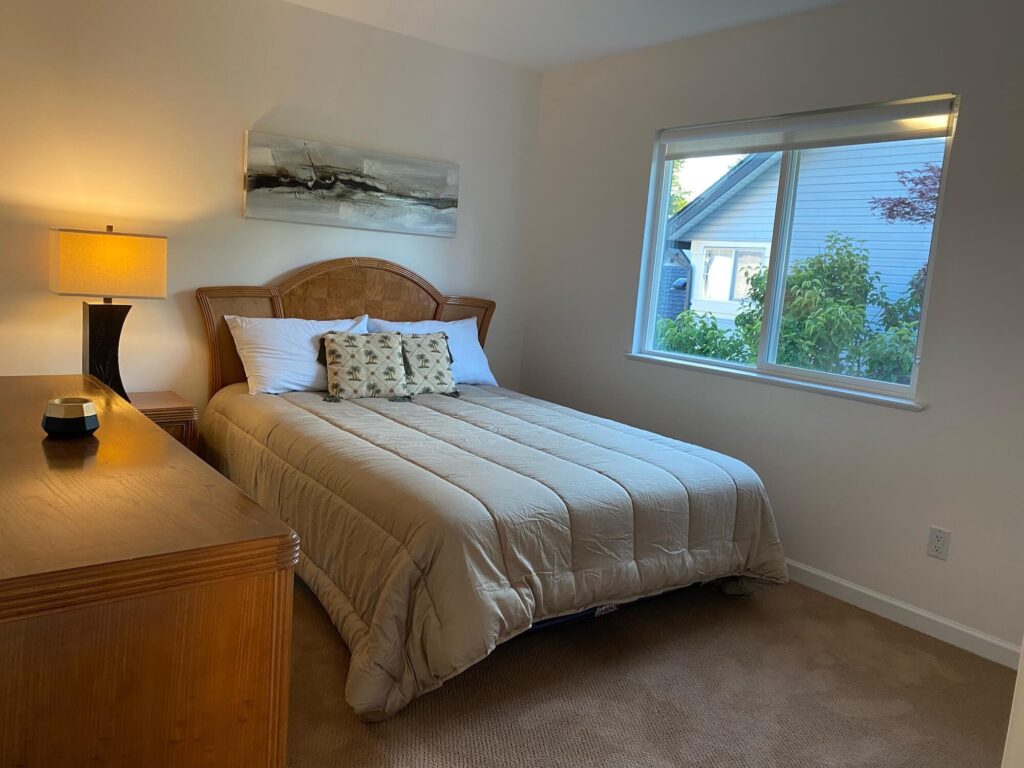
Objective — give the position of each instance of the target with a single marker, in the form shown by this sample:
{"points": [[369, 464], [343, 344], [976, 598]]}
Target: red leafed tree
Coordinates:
{"points": [[922, 197], [917, 206]]}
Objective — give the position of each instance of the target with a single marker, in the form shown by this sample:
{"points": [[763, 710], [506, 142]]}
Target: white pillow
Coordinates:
{"points": [[469, 363], [280, 353]]}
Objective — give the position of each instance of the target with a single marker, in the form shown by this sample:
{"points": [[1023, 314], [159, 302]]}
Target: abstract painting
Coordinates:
{"points": [[305, 181]]}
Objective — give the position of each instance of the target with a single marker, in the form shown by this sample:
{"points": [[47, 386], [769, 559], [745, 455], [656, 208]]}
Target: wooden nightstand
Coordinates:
{"points": [[172, 413]]}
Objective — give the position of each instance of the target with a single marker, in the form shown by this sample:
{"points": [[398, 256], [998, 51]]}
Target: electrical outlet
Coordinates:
{"points": [[938, 543]]}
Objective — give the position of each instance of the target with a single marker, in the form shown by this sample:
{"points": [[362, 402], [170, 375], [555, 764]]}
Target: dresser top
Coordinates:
{"points": [[129, 492]]}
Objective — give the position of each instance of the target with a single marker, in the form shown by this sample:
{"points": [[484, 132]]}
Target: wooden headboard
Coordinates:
{"points": [[325, 291]]}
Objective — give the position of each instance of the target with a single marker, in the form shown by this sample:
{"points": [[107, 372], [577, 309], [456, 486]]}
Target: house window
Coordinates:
{"points": [[808, 240], [748, 263], [727, 271], [718, 273]]}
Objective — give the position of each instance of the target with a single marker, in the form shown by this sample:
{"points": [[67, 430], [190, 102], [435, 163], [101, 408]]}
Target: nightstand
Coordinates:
{"points": [[172, 413]]}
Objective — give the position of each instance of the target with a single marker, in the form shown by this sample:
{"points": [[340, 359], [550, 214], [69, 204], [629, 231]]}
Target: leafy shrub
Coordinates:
{"points": [[698, 333], [889, 354], [836, 318]]}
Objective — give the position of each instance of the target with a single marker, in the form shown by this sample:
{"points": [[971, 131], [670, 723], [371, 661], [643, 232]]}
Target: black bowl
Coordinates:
{"points": [[68, 417]]}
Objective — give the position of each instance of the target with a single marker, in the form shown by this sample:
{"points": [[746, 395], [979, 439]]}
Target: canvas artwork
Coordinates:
{"points": [[290, 179]]}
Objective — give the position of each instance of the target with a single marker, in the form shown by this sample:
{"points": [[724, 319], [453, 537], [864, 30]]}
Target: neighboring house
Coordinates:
{"points": [[674, 288], [727, 230]]}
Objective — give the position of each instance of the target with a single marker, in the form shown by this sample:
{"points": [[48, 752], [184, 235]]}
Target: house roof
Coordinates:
{"points": [[741, 174]]}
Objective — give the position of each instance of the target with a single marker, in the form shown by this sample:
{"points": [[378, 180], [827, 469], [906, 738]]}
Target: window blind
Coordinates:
{"points": [[927, 117]]}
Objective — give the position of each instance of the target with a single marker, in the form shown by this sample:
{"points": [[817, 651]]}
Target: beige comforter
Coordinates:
{"points": [[433, 530]]}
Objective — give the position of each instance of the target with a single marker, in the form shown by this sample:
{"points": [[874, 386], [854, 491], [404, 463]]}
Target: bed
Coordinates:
{"points": [[435, 529]]}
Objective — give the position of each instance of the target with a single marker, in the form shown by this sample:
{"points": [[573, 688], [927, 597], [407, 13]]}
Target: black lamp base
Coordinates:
{"points": [[101, 337]]}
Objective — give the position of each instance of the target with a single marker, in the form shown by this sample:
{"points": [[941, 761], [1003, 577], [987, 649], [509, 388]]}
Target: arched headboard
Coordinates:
{"points": [[324, 291]]}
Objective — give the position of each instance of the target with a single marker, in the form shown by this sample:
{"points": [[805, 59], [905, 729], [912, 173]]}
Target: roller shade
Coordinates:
{"points": [[928, 117]]}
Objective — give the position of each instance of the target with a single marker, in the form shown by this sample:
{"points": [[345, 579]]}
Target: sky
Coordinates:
{"points": [[699, 173]]}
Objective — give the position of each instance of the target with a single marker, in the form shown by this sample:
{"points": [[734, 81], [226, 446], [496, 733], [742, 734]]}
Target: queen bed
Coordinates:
{"points": [[436, 528]]}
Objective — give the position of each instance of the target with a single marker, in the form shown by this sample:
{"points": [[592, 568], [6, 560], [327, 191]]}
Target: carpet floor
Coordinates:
{"points": [[785, 679]]}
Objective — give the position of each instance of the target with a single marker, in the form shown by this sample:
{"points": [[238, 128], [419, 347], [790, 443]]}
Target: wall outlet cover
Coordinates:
{"points": [[938, 542]]}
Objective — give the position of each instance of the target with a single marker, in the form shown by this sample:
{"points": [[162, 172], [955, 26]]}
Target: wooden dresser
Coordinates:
{"points": [[145, 602]]}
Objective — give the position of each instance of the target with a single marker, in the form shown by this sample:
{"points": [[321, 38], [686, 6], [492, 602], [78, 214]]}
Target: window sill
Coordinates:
{"points": [[889, 401]]}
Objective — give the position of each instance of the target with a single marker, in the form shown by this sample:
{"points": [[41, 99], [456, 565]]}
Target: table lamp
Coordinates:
{"points": [[108, 265]]}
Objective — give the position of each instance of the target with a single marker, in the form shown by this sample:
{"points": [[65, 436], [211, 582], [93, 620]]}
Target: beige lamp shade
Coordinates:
{"points": [[108, 264]]}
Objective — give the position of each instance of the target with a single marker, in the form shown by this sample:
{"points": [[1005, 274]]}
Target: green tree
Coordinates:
{"points": [[825, 308], [678, 195], [748, 320], [835, 318]]}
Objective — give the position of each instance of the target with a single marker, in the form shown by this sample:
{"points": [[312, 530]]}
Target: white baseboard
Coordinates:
{"points": [[984, 645]]}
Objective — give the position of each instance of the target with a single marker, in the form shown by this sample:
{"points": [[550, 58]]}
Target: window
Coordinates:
{"points": [[797, 247], [727, 269], [747, 264], [718, 273]]}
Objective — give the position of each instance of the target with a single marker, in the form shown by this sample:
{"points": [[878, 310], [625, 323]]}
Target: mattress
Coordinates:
{"points": [[432, 530]]}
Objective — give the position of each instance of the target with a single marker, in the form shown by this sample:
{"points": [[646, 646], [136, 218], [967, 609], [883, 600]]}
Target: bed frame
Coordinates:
{"points": [[324, 291]]}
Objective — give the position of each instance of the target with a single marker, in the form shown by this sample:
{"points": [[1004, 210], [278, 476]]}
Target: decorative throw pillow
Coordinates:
{"points": [[428, 364], [469, 363], [365, 365]]}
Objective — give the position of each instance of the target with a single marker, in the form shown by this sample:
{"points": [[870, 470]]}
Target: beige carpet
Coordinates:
{"points": [[788, 678]]}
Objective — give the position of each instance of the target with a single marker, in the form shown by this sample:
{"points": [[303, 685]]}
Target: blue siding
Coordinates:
{"points": [[833, 190], [671, 301], [746, 215], [832, 195]]}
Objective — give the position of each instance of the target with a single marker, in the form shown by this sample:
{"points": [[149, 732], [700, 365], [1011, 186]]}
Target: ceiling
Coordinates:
{"points": [[540, 34]]}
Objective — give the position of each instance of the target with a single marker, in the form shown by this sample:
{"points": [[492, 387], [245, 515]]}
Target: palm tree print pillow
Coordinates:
{"points": [[428, 364], [364, 365]]}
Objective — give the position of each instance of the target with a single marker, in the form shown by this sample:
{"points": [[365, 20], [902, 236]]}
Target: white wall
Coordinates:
{"points": [[854, 485], [132, 114]]}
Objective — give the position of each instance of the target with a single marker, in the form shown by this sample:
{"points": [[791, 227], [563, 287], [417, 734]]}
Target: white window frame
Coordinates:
{"points": [[886, 393], [698, 259]]}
